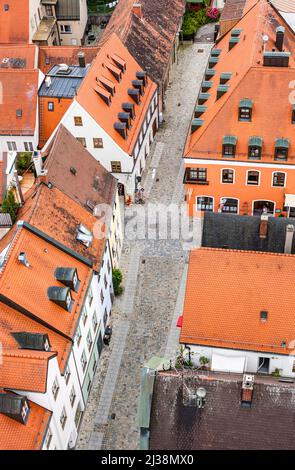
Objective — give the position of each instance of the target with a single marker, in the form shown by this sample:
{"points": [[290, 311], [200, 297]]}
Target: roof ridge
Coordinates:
{"points": [[231, 250], [47, 355]]}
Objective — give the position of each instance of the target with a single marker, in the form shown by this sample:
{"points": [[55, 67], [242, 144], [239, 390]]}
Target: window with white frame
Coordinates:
{"points": [[105, 317], [90, 296], [94, 321], [65, 29], [72, 396], [84, 315], [63, 418], [101, 296], [28, 146], [55, 388], [12, 147], [228, 176], [253, 177], [78, 336], [205, 203], [48, 439], [278, 179], [83, 360], [67, 375], [89, 340]]}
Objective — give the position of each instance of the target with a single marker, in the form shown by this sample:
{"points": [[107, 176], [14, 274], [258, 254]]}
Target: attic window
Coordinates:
{"points": [[108, 85], [138, 85], [104, 94], [129, 108], [196, 123], [263, 315], [121, 128], [15, 407], [119, 62], [212, 62], [134, 94], [276, 59], [293, 114], [255, 146], [34, 341], [236, 33], [206, 85], [225, 77], [68, 277], [114, 71], [232, 42], [19, 113], [84, 235], [142, 76], [199, 110], [61, 296], [229, 146], [209, 73], [215, 52], [281, 149], [245, 110], [203, 97], [221, 90], [125, 117]]}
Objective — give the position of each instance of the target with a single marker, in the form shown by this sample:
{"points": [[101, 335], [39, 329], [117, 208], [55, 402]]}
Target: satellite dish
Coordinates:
{"points": [[265, 38]]}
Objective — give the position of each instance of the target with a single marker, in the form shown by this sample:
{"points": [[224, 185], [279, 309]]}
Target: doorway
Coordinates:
{"points": [[263, 365], [263, 207]]}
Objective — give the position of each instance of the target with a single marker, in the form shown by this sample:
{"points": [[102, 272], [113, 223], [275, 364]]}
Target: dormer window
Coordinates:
{"points": [[61, 296], [68, 277], [245, 110], [281, 149], [33, 341], [229, 146], [15, 407], [255, 146]]}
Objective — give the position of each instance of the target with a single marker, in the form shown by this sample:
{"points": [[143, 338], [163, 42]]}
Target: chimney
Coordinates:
{"points": [[280, 34], [81, 59], [247, 390], [263, 227], [22, 257], [137, 10], [289, 239]]}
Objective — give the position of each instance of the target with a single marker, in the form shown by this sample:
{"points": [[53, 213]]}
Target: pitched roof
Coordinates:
{"points": [[22, 285], [17, 436], [14, 22], [286, 6], [91, 182], [21, 56], [149, 39], [54, 55], [250, 79], [223, 424], [12, 321], [20, 91], [241, 232], [59, 217], [106, 115], [225, 293]]}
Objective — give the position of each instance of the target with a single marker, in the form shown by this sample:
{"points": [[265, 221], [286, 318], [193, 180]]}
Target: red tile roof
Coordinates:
{"points": [[53, 55], [17, 436], [226, 291], [105, 115]]}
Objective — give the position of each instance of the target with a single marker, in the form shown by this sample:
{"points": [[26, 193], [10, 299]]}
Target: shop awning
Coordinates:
{"points": [[228, 363], [255, 142], [282, 143], [290, 200], [229, 140]]}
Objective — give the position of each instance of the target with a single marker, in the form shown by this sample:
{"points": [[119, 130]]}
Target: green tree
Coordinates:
{"points": [[10, 206], [24, 160], [117, 279]]}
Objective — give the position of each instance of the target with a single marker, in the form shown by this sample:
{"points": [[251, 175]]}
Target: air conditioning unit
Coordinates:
{"points": [[248, 382]]}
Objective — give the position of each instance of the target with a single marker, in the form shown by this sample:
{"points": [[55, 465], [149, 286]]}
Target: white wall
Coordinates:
{"points": [[283, 362]]}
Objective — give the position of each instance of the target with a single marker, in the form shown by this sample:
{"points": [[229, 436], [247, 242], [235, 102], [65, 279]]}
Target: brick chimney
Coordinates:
{"points": [[137, 10], [289, 239]]}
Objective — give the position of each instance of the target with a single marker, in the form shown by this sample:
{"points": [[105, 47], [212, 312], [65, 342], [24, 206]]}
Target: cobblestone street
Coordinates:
{"points": [[144, 318]]}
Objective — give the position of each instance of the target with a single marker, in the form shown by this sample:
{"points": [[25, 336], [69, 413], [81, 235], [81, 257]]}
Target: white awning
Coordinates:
{"points": [[228, 363], [290, 200]]}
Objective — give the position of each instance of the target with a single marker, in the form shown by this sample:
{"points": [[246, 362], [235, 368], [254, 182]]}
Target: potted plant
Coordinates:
{"points": [[204, 361]]}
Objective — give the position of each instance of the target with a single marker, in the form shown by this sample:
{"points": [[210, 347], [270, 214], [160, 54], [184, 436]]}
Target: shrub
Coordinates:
{"points": [[10, 206], [117, 279], [23, 162], [204, 360]]}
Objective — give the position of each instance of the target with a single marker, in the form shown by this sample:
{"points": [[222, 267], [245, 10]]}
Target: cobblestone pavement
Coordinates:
{"points": [[144, 318]]}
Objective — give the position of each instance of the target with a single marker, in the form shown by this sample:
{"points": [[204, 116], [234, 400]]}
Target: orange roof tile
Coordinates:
{"points": [[27, 53], [12, 321], [27, 286], [226, 291], [17, 436], [20, 90], [106, 115], [25, 369], [14, 22], [267, 87]]}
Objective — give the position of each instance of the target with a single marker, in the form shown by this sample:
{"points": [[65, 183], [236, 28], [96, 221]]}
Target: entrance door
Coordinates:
{"points": [[263, 365], [291, 212], [263, 207], [155, 127]]}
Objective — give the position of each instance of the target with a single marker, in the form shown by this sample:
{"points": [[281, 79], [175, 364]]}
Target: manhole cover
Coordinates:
{"points": [[200, 50]]}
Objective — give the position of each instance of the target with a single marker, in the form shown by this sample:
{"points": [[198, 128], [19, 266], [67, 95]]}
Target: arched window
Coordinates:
{"points": [[253, 177], [278, 179], [205, 203]]}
